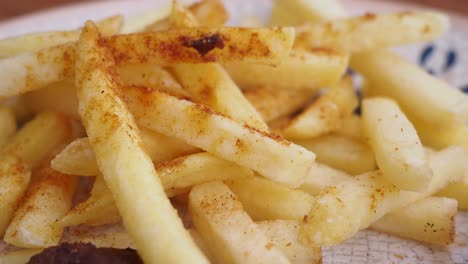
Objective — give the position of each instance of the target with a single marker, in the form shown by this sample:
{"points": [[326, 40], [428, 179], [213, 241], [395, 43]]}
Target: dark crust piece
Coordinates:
{"points": [[205, 44], [85, 253]]}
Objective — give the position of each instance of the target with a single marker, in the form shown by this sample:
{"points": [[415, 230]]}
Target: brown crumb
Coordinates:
{"points": [[204, 44]]}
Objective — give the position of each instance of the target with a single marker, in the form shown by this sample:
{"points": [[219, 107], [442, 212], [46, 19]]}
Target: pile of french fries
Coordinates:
{"points": [[252, 130]]}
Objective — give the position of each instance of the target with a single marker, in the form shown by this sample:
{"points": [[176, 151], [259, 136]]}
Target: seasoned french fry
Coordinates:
{"points": [[351, 127], [210, 84], [284, 233], [266, 200], [57, 97], [430, 220], [321, 176], [109, 239], [19, 107], [276, 103], [347, 154], [36, 41], [370, 31], [7, 125], [198, 125], [127, 169], [78, 157], [342, 210], [296, 12], [227, 229], [33, 70], [398, 150], [458, 192], [412, 87], [47, 200], [326, 114], [143, 22], [440, 137], [301, 70]]}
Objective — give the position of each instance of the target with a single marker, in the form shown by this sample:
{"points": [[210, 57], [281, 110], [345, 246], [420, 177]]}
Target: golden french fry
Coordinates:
{"points": [[370, 31], [7, 125], [19, 107], [48, 198], [296, 12], [458, 192], [321, 176], [227, 229], [440, 137], [412, 87], [284, 233], [36, 41], [198, 125], [303, 69], [351, 127], [342, 210], [347, 154], [127, 169], [273, 103], [275, 202], [143, 22], [57, 97], [326, 114], [431, 220], [33, 70], [398, 150]]}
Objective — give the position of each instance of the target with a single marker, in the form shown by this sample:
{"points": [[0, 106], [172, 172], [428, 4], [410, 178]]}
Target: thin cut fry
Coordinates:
{"points": [[127, 169], [266, 153]]}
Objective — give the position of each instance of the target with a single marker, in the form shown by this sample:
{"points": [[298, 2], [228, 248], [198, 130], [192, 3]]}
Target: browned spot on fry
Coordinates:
{"points": [[204, 44], [269, 245], [288, 244], [369, 16], [171, 163], [272, 136], [220, 205], [305, 219], [426, 29]]}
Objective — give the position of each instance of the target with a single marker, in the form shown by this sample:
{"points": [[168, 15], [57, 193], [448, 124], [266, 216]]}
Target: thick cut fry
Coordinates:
{"points": [[296, 12], [36, 41], [266, 200], [440, 137], [341, 211], [346, 154], [47, 200], [210, 84], [227, 229], [58, 97], [276, 103], [78, 157], [7, 125], [457, 191], [301, 70], [370, 31], [127, 169], [413, 88], [284, 233], [321, 176], [351, 127], [398, 150], [326, 114], [431, 220], [266, 153], [33, 70]]}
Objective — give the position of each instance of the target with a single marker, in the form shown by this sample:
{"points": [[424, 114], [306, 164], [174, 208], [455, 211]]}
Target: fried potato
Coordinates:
{"points": [[296, 12], [458, 192], [303, 69], [36, 41], [266, 200], [141, 22], [273, 103], [19, 107], [127, 169], [78, 157], [326, 114], [268, 154], [441, 137], [370, 31], [48, 198], [342, 210], [412, 87], [398, 150], [284, 233], [347, 154], [430, 220], [33, 70], [58, 97], [321, 176], [7, 125], [351, 127], [227, 229]]}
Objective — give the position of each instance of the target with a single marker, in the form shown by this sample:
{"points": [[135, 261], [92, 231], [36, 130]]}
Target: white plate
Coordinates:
{"points": [[444, 58]]}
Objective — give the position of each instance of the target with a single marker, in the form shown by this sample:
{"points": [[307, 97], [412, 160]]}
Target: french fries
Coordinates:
{"points": [[456, 191], [227, 229], [412, 87], [303, 69], [351, 127], [115, 139], [36, 41], [370, 31], [7, 125], [326, 114], [396, 145], [48, 199], [441, 137], [346, 154], [296, 12], [33, 70], [268, 154]]}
